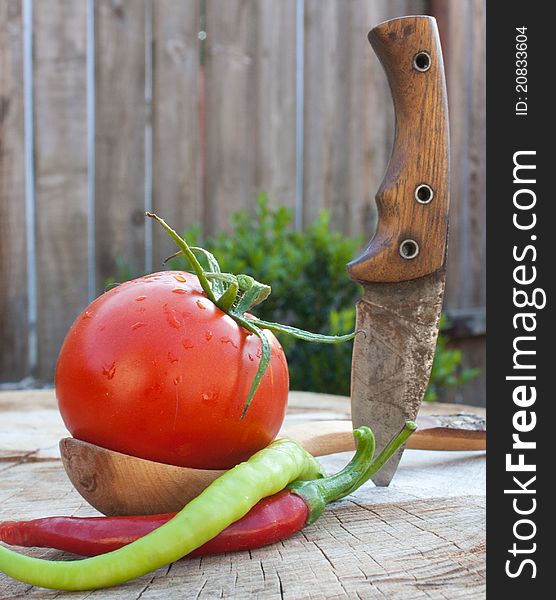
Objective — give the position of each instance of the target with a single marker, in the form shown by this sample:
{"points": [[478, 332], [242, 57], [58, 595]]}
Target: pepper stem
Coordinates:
{"points": [[319, 492]]}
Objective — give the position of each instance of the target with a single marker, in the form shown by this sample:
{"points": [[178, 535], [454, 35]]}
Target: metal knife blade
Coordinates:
{"points": [[403, 269]]}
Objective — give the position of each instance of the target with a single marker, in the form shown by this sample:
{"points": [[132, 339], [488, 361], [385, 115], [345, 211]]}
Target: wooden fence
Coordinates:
{"points": [[191, 107]]}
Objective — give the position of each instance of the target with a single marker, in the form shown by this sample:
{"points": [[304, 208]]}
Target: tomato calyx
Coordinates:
{"points": [[237, 294]]}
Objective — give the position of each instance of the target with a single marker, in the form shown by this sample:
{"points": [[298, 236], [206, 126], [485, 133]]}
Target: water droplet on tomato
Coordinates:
{"points": [[209, 396], [180, 278], [86, 315], [208, 335], [259, 353], [178, 380], [179, 291], [187, 344], [226, 340], [109, 371], [172, 358], [140, 298], [172, 317], [201, 305], [250, 356], [138, 325]]}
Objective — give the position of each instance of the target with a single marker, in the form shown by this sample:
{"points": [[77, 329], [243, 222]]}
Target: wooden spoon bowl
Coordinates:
{"points": [[119, 484]]}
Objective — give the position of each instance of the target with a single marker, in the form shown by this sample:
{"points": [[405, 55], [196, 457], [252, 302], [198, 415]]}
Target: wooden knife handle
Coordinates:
{"points": [[410, 241]]}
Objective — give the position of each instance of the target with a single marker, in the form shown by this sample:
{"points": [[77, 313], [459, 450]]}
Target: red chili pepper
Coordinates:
{"points": [[272, 519]]}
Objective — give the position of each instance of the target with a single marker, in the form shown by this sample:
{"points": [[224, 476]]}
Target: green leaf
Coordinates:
{"points": [[263, 363]]}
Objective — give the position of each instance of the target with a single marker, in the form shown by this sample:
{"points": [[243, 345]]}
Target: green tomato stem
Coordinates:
{"points": [[187, 252], [228, 298], [301, 334], [235, 295], [217, 286]]}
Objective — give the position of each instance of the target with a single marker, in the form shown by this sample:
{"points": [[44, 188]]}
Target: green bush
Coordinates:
{"points": [[446, 367], [310, 290]]}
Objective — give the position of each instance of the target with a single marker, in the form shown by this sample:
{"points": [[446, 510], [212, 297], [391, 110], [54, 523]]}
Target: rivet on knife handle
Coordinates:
{"points": [[410, 240]]}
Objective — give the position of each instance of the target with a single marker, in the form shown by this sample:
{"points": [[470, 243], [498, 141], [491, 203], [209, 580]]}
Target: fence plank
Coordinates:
{"points": [[176, 176], [462, 31], [250, 110], [230, 107], [349, 124], [61, 172], [250, 137], [13, 297], [477, 157], [120, 136], [275, 75]]}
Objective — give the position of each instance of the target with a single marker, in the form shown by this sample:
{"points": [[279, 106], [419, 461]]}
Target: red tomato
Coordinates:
{"points": [[154, 369]]}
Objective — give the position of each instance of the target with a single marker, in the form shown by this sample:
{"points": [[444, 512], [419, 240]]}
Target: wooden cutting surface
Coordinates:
{"points": [[423, 537]]}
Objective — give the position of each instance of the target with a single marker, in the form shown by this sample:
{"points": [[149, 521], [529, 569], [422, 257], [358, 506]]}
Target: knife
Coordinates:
{"points": [[402, 271]]}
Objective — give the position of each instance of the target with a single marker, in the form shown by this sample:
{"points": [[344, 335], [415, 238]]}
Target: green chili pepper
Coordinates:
{"points": [[225, 501]]}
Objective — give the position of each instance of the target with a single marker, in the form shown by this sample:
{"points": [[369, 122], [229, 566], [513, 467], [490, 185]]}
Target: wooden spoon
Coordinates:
{"points": [[119, 484]]}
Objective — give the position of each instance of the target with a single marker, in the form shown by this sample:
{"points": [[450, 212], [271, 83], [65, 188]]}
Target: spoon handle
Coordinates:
{"points": [[433, 433]]}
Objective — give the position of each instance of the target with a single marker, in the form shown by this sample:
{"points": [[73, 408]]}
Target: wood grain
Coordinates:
{"points": [[275, 157], [250, 116], [462, 32], [13, 296], [462, 25], [175, 121], [119, 484], [349, 119], [120, 136], [28, 415], [61, 172], [434, 433], [230, 97], [420, 156], [250, 106], [424, 537], [413, 548]]}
